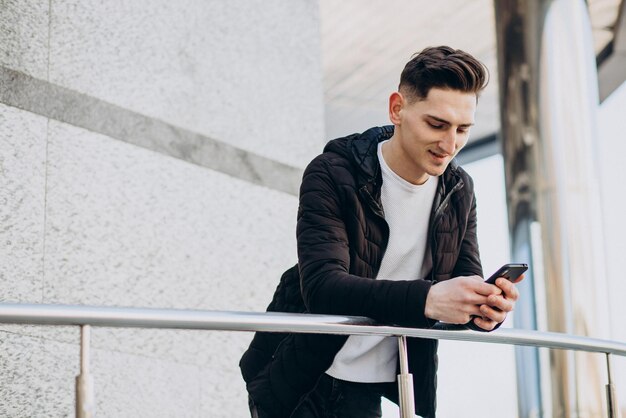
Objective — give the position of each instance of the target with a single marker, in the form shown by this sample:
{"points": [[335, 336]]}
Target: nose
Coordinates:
{"points": [[448, 142]]}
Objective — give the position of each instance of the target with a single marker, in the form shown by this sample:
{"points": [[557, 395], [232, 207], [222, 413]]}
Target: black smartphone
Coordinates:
{"points": [[509, 271]]}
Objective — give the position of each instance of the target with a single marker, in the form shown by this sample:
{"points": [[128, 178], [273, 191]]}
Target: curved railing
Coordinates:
{"points": [[87, 316]]}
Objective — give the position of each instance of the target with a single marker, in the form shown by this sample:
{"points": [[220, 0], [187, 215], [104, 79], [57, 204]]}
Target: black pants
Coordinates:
{"points": [[334, 398]]}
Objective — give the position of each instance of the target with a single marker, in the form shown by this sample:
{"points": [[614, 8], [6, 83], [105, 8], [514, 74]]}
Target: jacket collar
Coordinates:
{"points": [[363, 150]]}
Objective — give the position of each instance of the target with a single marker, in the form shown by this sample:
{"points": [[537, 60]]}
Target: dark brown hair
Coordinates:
{"points": [[442, 67]]}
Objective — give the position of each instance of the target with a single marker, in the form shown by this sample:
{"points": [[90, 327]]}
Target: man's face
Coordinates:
{"points": [[430, 132]]}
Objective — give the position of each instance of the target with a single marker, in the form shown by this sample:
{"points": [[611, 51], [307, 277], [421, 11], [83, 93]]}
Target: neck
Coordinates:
{"points": [[397, 161]]}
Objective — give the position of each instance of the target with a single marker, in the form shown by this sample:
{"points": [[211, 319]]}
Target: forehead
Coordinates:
{"points": [[454, 106]]}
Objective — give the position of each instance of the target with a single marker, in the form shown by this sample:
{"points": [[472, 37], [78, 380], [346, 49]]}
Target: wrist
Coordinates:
{"points": [[429, 312]]}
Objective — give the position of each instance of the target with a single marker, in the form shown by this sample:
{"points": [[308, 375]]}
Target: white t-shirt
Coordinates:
{"points": [[369, 359]]}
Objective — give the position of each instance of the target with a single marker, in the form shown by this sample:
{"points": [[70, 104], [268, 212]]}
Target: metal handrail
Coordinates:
{"points": [[36, 314], [86, 316]]}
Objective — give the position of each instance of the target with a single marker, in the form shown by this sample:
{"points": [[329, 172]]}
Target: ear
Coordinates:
{"points": [[396, 104]]}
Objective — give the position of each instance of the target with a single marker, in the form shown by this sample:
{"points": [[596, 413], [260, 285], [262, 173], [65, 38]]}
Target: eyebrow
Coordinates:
{"points": [[463, 125]]}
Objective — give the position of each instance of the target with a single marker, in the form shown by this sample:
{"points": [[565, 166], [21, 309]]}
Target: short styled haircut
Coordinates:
{"points": [[445, 68]]}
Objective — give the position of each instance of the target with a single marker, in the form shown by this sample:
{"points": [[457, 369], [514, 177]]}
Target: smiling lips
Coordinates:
{"points": [[437, 156]]}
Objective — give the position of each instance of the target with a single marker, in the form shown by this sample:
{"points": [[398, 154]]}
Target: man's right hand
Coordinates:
{"points": [[456, 300]]}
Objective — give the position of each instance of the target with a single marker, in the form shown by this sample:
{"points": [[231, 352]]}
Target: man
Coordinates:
{"points": [[386, 229]]}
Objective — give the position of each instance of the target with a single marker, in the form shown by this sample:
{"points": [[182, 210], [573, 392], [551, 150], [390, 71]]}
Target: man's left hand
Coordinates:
{"points": [[497, 307]]}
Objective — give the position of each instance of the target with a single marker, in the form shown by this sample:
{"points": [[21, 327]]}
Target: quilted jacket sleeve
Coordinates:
{"points": [[324, 261]]}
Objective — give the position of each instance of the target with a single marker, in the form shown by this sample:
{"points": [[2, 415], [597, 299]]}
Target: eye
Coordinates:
{"points": [[435, 125], [462, 130]]}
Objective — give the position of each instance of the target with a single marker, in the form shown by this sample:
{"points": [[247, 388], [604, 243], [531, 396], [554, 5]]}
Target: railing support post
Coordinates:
{"points": [[85, 403], [611, 397], [405, 382]]}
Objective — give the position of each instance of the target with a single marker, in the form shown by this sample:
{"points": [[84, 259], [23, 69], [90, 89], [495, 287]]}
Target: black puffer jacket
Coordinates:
{"points": [[342, 236]]}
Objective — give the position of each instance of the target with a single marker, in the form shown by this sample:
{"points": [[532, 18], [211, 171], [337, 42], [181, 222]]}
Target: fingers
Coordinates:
{"points": [[487, 289], [508, 288], [460, 299], [477, 285], [498, 306], [485, 324], [474, 310], [501, 303], [475, 290], [487, 312]]}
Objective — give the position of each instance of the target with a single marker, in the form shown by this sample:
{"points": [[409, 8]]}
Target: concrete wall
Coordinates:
{"points": [[126, 132]]}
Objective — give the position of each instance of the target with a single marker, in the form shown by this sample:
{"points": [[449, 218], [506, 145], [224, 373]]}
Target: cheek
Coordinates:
{"points": [[421, 135], [462, 142]]}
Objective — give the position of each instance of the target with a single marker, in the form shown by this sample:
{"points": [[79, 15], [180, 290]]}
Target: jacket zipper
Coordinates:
{"points": [[378, 211], [436, 216]]}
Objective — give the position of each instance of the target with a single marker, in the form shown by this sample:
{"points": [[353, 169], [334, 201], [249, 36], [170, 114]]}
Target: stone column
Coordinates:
{"points": [[548, 98]]}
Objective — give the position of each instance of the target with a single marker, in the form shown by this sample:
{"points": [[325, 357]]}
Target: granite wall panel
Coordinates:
{"points": [[22, 199], [24, 28], [244, 72]]}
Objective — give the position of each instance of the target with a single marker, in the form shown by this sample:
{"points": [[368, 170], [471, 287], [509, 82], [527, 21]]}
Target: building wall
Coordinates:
{"points": [[150, 153], [610, 153]]}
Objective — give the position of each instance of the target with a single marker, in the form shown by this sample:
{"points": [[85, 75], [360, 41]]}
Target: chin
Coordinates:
{"points": [[436, 172]]}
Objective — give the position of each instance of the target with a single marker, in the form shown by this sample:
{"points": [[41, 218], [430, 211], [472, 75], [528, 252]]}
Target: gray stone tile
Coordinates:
{"points": [[136, 386], [223, 393], [22, 202], [130, 227], [244, 72], [204, 348], [37, 380], [24, 36], [69, 334], [39, 375], [57, 388], [64, 105]]}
